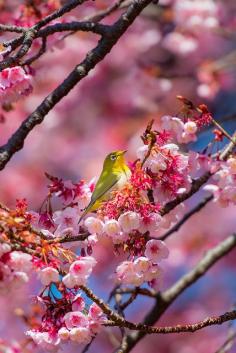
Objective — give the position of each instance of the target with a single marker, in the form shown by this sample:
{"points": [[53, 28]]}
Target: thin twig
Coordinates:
{"points": [[30, 34], [209, 321], [198, 183], [100, 15], [164, 301], [228, 344], [104, 46]]}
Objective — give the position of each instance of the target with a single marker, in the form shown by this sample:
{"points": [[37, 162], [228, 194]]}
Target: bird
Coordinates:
{"points": [[115, 173]]}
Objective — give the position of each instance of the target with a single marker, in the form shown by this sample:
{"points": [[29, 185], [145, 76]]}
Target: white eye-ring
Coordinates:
{"points": [[113, 157]]}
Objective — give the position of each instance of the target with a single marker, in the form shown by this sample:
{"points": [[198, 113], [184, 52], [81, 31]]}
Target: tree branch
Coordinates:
{"points": [[29, 34], [16, 141], [11, 28], [209, 321], [197, 184], [163, 301], [228, 344]]}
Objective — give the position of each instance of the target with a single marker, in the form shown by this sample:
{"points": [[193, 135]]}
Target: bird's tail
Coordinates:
{"points": [[83, 214], [89, 208]]}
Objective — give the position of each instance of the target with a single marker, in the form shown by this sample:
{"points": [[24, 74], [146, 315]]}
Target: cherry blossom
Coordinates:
{"points": [[14, 83], [156, 250], [48, 275], [94, 225], [79, 271], [129, 221]]}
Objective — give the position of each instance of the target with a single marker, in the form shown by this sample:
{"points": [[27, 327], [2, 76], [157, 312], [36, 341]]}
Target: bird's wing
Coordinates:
{"points": [[99, 191]]}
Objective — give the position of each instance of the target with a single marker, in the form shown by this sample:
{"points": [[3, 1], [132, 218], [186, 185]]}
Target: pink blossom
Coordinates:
{"points": [[154, 272], [63, 334], [190, 127], [83, 266], [95, 312], [44, 339], [66, 221], [4, 249], [49, 275], [183, 133], [142, 151], [111, 227], [20, 261], [152, 223], [180, 44], [96, 318], [94, 225], [232, 165], [70, 281], [75, 319], [78, 303], [79, 271], [142, 264], [129, 221], [14, 83], [80, 335], [84, 199], [156, 250], [127, 275]]}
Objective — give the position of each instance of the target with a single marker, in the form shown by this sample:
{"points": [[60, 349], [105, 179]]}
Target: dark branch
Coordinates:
{"points": [[9, 28], [163, 301], [87, 26], [16, 141], [210, 321], [197, 184], [30, 33]]}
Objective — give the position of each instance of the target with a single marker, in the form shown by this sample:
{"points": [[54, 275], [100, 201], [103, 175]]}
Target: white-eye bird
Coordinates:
{"points": [[115, 173]]}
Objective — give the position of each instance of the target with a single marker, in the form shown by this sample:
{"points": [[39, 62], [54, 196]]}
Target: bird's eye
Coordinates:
{"points": [[113, 157]]}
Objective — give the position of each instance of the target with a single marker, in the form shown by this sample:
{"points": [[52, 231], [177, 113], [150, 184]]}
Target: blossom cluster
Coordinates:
{"points": [[30, 13], [224, 183], [14, 83], [15, 268], [144, 268], [130, 216], [73, 321], [9, 347]]}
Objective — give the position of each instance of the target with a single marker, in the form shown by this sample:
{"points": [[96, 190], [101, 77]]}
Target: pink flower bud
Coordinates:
{"points": [[4, 248], [156, 250], [142, 151], [49, 275], [64, 334], [142, 264], [78, 303], [129, 221], [69, 281], [80, 335], [95, 312], [111, 227], [190, 127], [232, 165], [20, 261], [20, 278], [94, 225], [82, 267], [75, 319]]}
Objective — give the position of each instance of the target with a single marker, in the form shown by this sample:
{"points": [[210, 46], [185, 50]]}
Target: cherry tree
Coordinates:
{"points": [[103, 283]]}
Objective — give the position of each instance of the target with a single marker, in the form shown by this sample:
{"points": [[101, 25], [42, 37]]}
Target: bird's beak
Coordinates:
{"points": [[123, 152]]}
